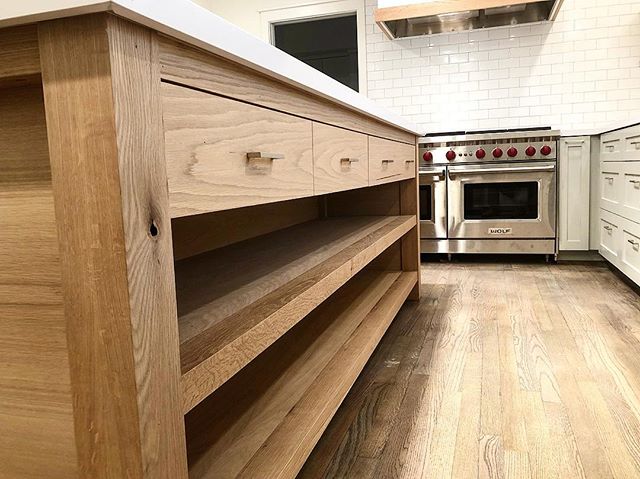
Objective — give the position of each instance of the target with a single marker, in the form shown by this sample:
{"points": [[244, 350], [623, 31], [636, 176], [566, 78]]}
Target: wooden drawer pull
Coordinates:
{"points": [[635, 183], [608, 228], [608, 178], [388, 161], [349, 160], [634, 243], [258, 155], [410, 161], [610, 147]]}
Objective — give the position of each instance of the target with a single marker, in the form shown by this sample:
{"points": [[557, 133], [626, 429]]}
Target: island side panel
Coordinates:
{"points": [[409, 205], [36, 413], [105, 142]]}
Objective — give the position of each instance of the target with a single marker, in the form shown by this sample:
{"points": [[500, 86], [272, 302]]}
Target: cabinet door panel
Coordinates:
{"points": [[574, 177]]}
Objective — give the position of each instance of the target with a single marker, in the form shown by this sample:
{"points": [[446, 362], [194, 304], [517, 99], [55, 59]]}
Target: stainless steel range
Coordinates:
{"points": [[489, 192]]}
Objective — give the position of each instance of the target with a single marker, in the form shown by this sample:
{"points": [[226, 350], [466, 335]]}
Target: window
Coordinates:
{"points": [[329, 45], [329, 35]]}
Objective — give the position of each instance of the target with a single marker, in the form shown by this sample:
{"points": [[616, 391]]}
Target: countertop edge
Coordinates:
{"points": [[193, 24]]}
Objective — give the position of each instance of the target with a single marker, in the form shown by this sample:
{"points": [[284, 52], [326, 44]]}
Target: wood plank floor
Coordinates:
{"points": [[500, 371]]}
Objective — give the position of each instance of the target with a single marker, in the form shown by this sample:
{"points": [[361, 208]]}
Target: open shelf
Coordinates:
{"points": [[236, 301], [265, 420]]}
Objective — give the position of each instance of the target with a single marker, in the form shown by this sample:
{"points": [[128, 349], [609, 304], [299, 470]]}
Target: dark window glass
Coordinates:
{"points": [[501, 201], [425, 203], [329, 45]]}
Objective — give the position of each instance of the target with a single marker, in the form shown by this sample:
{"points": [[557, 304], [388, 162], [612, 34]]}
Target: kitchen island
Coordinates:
{"points": [[203, 242]]}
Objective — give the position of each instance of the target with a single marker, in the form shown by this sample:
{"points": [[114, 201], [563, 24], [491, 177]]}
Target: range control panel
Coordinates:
{"points": [[437, 153]]}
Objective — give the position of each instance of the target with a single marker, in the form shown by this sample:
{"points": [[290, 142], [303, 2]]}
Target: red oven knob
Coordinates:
{"points": [[497, 153], [427, 156], [545, 150], [451, 155], [512, 152], [530, 151], [480, 153]]}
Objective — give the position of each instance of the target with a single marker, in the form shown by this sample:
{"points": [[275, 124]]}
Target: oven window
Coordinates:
{"points": [[501, 201], [426, 214]]}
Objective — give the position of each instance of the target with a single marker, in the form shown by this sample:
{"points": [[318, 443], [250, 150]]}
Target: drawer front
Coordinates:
{"points": [[621, 145], [631, 138], [631, 250], [224, 154], [340, 159], [611, 177], [390, 161], [631, 193], [611, 146], [610, 236]]}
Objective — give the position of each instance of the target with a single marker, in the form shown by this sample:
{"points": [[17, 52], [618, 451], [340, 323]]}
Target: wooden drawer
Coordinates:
{"points": [[208, 144], [390, 161], [340, 159]]}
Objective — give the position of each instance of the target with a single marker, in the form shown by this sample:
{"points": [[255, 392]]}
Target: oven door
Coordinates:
{"points": [[433, 203], [516, 200]]}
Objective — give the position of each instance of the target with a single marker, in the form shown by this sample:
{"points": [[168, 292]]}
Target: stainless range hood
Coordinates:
{"points": [[440, 16]]}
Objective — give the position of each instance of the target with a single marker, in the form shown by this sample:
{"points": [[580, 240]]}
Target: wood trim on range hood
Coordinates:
{"points": [[401, 21]]}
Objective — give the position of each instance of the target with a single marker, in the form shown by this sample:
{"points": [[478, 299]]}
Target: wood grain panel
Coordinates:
{"points": [[340, 159], [207, 141], [186, 65], [228, 320], [197, 234], [282, 403], [36, 412], [19, 56], [437, 7], [147, 239], [390, 161], [102, 109]]}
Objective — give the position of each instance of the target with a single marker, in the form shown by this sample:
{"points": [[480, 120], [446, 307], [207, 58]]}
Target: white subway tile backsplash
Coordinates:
{"points": [[581, 71]]}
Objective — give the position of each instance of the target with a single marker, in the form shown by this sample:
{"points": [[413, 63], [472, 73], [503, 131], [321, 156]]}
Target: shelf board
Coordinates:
{"points": [[236, 301], [265, 421]]}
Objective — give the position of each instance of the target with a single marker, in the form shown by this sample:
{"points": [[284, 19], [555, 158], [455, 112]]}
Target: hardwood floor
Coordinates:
{"points": [[500, 371]]}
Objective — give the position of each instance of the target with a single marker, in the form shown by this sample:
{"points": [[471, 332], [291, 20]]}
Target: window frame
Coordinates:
{"points": [[271, 17]]}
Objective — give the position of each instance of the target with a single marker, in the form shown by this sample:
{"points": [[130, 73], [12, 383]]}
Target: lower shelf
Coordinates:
{"points": [[265, 421]]}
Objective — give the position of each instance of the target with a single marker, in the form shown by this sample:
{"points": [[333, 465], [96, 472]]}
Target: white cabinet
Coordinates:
{"points": [[574, 172], [620, 200]]}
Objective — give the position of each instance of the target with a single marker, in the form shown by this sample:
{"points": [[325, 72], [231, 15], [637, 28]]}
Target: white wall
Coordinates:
{"points": [[246, 13], [582, 71]]}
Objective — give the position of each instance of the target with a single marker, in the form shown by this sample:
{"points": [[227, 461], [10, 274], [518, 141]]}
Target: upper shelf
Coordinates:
{"points": [[235, 301], [193, 24], [459, 15]]}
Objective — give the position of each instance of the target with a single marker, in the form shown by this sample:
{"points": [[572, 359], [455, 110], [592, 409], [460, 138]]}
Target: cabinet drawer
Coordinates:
{"points": [[390, 161], [610, 186], [224, 154], [340, 159], [631, 192], [631, 138], [621, 145], [620, 188], [631, 250], [610, 232]]}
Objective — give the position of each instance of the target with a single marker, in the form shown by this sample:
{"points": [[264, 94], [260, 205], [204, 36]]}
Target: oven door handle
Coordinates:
{"points": [[438, 175], [482, 171]]}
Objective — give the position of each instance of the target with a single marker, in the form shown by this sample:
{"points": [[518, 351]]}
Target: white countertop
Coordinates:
{"points": [[196, 25], [599, 131]]}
